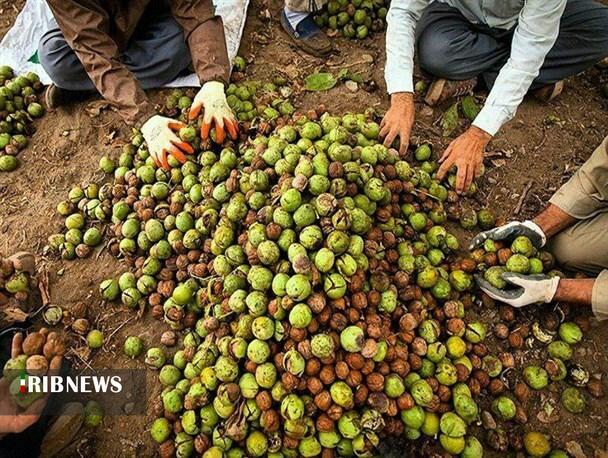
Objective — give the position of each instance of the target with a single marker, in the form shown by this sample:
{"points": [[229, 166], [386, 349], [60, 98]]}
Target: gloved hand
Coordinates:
{"points": [[511, 230], [212, 99], [159, 133], [530, 289]]}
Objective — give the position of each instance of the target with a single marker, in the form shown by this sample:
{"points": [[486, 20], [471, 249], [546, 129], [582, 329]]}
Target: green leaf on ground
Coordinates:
{"points": [[319, 82], [449, 122]]}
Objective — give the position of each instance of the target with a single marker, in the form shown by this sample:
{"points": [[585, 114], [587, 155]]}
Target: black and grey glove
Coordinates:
{"points": [[530, 289], [510, 231]]}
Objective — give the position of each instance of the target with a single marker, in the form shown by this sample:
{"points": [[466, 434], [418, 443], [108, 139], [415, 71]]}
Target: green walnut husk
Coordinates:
{"points": [[308, 247]]}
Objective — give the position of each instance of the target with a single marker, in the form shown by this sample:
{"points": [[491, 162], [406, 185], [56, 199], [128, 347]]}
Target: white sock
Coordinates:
{"points": [[295, 17]]}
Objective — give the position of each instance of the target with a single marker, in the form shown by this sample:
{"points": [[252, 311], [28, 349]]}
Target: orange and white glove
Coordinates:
{"points": [[159, 133], [212, 99]]}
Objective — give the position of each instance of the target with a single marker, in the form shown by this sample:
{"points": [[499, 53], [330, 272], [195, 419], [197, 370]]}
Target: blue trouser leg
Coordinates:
{"points": [[156, 54], [449, 46]]}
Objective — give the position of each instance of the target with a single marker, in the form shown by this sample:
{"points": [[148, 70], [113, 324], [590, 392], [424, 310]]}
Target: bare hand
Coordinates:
{"points": [[398, 121], [466, 153], [13, 419]]}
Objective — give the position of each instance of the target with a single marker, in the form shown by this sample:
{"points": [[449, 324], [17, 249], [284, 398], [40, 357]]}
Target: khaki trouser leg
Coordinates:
{"points": [[584, 247], [586, 193], [305, 6]]}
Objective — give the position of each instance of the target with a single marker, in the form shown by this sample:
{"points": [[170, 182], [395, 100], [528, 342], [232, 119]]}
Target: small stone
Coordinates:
{"points": [[128, 408], [352, 86]]}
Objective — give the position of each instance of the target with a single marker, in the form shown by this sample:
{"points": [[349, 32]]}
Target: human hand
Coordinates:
{"points": [[212, 99], [466, 153], [398, 121], [159, 133], [13, 419], [511, 230], [530, 289]]}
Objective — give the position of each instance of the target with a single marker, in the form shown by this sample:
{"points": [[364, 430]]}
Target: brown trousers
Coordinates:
{"points": [[584, 246]]}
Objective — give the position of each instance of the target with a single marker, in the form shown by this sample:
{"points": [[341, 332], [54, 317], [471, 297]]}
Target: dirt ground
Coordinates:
{"points": [[536, 152]]}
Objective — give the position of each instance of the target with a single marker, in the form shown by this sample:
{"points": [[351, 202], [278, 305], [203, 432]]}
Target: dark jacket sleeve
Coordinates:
{"points": [[85, 26], [204, 32]]}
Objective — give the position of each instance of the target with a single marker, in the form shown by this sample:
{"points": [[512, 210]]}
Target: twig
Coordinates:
{"points": [[523, 196], [352, 64], [119, 328]]}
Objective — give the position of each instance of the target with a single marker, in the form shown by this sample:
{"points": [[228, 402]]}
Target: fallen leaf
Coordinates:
{"points": [[95, 107], [319, 82], [449, 122], [575, 449], [543, 417]]}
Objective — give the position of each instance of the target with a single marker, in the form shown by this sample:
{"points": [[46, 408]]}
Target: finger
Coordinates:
{"points": [[446, 153], [232, 127], [384, 129], [43, 331], [176, 125], [382, 123], [177, 154], [490, 290], [444, 169], [185, 147], [16, 345], [478, 170], [390, 137], [220, 134], [195, 110], [469, 179], [403, 144], [205, 128], [461, 178], [163, 160]]}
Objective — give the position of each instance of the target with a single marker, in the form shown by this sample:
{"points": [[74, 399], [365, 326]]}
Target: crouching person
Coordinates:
{"points": [[574, 227], [121, 48]]}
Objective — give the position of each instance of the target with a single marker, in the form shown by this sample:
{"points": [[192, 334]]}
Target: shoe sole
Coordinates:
{"points": [[302, 44]]}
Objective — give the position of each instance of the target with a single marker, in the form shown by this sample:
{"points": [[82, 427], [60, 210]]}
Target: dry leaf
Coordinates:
{"points": [[575, 449], [95, 107]]}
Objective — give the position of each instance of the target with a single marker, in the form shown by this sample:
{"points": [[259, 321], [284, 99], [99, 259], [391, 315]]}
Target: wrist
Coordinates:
{"points": [[400, 98], [480, 134], [553, 220]]}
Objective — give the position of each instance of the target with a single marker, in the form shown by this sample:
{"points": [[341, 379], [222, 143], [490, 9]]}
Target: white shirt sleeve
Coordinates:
{"points": [[400, 40], [534, 36]]}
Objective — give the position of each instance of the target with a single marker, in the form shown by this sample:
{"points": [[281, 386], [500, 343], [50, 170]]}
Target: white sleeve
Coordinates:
{"points": [[400, 41], [534, 36]]}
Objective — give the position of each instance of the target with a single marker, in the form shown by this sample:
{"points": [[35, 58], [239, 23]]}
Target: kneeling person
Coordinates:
{"points": [[120, 48], [574, 227]]}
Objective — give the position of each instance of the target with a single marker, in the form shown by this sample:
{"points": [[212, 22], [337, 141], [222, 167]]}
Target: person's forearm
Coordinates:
{"points": [[402, 98], [400, 42], [575, 291], [553, 220]]}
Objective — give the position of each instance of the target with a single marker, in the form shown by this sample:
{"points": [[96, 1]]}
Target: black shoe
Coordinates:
{"points": [[308, 36]]}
